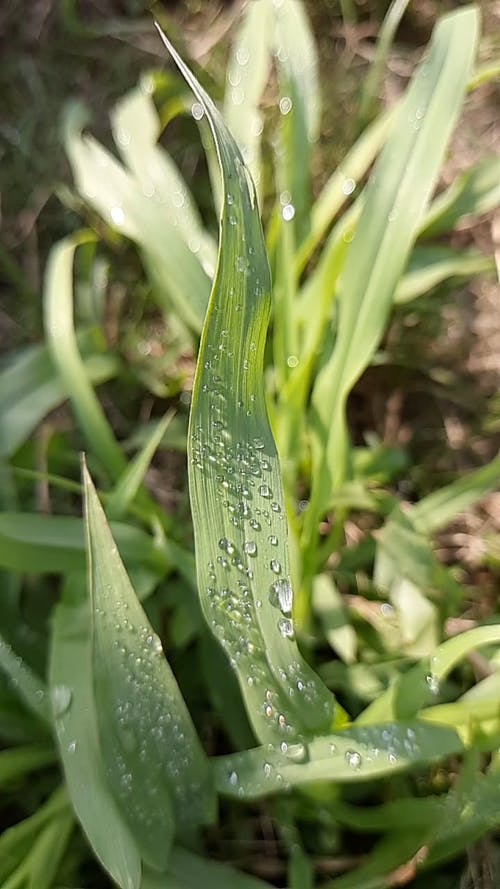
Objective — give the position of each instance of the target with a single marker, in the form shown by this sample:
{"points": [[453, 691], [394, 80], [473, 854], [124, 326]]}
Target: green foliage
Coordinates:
{"points": [[274, 663]]}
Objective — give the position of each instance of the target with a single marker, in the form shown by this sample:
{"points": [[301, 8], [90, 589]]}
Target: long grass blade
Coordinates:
{"points": [[399, 189], [234, 475]]}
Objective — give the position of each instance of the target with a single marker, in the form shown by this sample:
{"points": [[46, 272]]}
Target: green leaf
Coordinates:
{"points": [[30, 387], [234, 475], [474, 192], [188, 871], [63, 345], [420, 685], [246, 76], [327, 604], [136, 129], [29, 688], [299, 104], [16, 841], [438, 509], [354, 755], [16, 762], [153, 759], [430, 266], [396, 198], [119, 197], [128, 485], [76, 726], [57, 544]]}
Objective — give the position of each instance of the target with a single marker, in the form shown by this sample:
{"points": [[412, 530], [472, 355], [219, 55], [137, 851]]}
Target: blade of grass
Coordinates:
{"points": [[419, 686], [16, 762], [62, 342], [246, 76], [57, 544], [30, 689], [401, 185], [430, 266], [136, 129], [373, 81], [119, 198], [351, 756], [76, 726], [16, 841], [474, 192], [128, 485], [30, 388], [153, 759], [234, 477]]}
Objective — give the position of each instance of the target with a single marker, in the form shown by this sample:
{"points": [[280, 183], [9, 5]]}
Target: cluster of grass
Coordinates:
{"points": [[246, 686]]}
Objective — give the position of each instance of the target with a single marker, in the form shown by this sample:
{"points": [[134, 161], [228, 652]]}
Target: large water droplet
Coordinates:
{"points": [[250, 548], [285, 626], [117, 215], [61, 699], [353, 759], [281, 595]]}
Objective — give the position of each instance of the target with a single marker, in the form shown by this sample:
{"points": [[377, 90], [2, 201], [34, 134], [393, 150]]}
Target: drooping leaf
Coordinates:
{"points": [[358, 754]]}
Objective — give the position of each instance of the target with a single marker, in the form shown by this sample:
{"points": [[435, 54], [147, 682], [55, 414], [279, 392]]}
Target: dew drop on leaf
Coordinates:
{"points": [[353, 759], [61, 699]]}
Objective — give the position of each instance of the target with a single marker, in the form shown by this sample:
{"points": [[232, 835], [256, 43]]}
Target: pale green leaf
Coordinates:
{"points": [[178, 277]]}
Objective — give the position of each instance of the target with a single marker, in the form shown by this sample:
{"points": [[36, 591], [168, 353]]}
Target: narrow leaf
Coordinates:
{"points": [[76, 725], [354, 755], [154, 762], [234, 475]]}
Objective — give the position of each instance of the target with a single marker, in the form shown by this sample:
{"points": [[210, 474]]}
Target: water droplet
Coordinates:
{"points": [[61, 699], [433, 683], [275, 566], [197, 110], [348, 186], [353, 759], [292, 361], [233, 779], [288, 212], [392, 758], [71, 746], [250, 548], [273, 540], [242, 55], [258, 443], [275, 507], [281, 594], [267, 768], [265, 491], [285, 626], [255, 524], [117, 215], [286, 104], [297, 752]]}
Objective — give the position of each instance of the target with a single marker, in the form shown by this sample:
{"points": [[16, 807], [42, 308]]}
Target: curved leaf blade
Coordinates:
{"points": [[358, 754], [234, 475]]}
